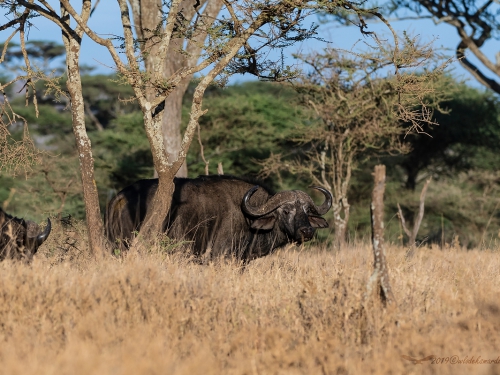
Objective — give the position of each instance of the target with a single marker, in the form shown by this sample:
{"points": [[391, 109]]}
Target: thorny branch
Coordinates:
{"points": [[354, 111], [475, 22]]}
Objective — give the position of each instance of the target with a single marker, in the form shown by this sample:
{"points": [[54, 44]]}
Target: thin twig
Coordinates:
{"points": [[202, 151]]}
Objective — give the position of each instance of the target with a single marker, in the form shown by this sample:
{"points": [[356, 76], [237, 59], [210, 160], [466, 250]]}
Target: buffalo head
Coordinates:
{"points": [[293, 211], [19, 238]]}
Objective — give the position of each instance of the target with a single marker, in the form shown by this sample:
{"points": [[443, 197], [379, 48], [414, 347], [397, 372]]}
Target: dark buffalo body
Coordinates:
{"points": [[19, 238], [222, 214]]}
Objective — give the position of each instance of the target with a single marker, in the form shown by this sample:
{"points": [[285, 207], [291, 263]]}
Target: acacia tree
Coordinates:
{"points": [[355, 111], [183, 52], [476, 22], [236, 42]]}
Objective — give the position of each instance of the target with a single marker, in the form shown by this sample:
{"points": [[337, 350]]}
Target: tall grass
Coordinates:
{"points": [[295, 312]]}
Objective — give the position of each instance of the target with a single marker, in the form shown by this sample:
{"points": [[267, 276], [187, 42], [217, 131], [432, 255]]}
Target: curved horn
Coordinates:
{"points": [[327, 204], [272, 203], [43, 236]]}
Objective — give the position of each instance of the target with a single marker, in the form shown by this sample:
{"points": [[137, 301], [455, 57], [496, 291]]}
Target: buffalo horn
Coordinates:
{"points": [[43, 236], [327, 204], [273, 203]]}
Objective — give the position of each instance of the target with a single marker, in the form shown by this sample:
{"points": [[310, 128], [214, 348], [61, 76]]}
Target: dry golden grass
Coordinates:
{"points": [[296, 312]]}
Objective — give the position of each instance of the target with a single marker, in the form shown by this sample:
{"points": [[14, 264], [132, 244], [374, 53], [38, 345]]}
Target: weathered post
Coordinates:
{"points": [[380, 277]]}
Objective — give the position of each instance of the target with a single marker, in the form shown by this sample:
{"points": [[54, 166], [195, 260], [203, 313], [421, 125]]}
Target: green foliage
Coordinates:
{"points": [[122, 151], [122, 155], [107, 97], [51, 121], [245, 123], [461, 208], [53, 188]]}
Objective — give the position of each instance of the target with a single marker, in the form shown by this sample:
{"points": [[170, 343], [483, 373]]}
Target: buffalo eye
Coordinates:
{"points": [[286, 212]]}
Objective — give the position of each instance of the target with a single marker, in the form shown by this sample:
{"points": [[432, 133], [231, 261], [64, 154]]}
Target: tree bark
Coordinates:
{"points": [[172, 119], [154, 221], [160, 205], [171, 127], [95, 226]]}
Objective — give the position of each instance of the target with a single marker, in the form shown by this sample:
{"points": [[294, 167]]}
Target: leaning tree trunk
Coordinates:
{"points": [[166, 170], [153, 111], [95, 225], [162, 200], [153, 223]]}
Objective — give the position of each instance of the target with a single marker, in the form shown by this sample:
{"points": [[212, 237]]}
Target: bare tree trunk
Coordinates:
{"points": [[160, 205], [340, 224], [172, 118], [95, 226], [380, 277], [412, 235], [153, 223], [342, 165], [162, 200], [172, 127]]}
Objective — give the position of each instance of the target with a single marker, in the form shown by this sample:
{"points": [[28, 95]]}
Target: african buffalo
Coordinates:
{"points": [[20, 239], [222, 214]]}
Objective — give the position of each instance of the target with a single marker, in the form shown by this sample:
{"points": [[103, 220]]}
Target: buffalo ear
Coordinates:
{"points": [[317, 222], [264, 223]]}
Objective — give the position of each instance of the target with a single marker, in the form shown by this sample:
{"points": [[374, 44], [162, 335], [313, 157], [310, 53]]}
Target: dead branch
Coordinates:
{"points": [[412, 235], [93, 118], [202, 153]]}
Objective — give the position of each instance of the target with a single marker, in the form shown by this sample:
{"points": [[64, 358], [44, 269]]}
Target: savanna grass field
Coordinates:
{"points": [[298, 311]]}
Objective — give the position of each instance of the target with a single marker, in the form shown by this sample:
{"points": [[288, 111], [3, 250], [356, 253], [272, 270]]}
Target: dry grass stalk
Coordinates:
{"points": [[295, 312]]}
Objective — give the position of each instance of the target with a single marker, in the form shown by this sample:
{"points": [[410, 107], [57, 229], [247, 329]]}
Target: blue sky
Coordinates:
{"points": [[106, 23]]}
